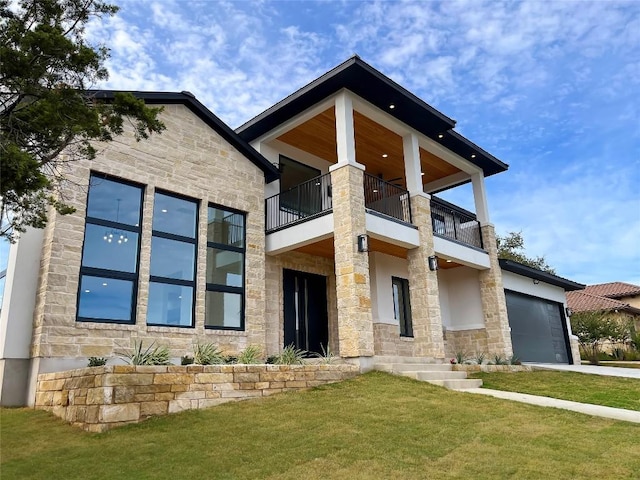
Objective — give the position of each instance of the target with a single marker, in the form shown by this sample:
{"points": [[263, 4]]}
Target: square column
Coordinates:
{"points": [[353, 292], [494, 304], [412, 167], [423, 285]]}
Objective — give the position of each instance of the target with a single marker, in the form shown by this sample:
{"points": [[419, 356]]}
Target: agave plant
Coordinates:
{"points": [[291, 356], [152, 355], [251, 354], [207, 354], [327, 356]]}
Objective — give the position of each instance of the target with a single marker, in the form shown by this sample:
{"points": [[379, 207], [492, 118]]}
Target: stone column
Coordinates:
{"points": [[494, 305], [355, 322], [423, 285]]}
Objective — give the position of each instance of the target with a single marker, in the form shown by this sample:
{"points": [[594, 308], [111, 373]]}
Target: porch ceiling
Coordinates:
{"points": [[318, 137], [324, 248]]}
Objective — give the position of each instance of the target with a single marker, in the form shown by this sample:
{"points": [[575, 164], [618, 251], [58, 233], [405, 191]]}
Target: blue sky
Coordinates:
{"points": [[551, 88]]}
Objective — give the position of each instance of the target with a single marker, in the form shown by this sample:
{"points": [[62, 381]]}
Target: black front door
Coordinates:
{"points": [[305, 311]]}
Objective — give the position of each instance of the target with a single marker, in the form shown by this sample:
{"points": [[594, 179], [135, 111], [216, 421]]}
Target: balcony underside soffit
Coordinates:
{"points": [[324, 248], [318, 137]]}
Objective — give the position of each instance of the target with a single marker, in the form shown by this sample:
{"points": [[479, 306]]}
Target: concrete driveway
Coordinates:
{"points": [[592, 369]]}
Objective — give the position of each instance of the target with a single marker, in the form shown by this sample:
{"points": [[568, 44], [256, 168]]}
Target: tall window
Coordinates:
{"points": [[402, 305], [109, 271], [225, 269], [173, 261]]}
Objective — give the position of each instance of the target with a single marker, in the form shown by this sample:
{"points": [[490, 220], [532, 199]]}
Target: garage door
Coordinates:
{"points": [[538, 332]]}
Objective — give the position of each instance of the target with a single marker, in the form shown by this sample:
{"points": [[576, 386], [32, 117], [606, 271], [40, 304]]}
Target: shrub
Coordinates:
{"points": [[152, 355], [97, 361], [499, 360], [461, 357], [251, 354], [480, 357], [230, 359], [186, 360], [207, 354]]}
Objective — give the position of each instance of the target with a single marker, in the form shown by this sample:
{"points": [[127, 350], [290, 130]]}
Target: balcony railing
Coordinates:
{"points": [[455, 223], [386, 198], [302, 202]]}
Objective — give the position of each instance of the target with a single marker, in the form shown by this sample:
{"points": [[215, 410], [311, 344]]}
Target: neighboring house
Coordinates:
{"points": [[313, 224], [618, 299]]}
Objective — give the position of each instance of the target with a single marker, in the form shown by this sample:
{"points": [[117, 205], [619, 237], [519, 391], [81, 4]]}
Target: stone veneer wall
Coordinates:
{"points": [[471, 342], [353, 291], [275, 295], [188, 158], [575, 350], [423, 285], [388, 342], [494, 304], [99, 398]]}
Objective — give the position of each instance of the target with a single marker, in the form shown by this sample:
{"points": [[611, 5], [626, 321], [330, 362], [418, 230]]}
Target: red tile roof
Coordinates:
{"points": [[613, 289], [580, 301]]}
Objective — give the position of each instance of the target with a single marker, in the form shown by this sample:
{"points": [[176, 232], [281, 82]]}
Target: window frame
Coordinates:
{"points": [[105, 273], [180, 238], [406, 321], [215, 287]]}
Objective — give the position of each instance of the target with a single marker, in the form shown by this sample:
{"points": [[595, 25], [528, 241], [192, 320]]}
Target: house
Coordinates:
{"points": [[538, 314], [619, 299], [314, 224]]}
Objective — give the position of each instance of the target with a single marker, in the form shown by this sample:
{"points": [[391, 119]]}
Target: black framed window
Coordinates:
{"points": [[109, 270], [173, 261], [402, 305], [224, 305]]}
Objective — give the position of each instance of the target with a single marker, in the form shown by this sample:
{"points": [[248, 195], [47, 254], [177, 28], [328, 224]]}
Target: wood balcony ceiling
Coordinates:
{"points": [[318, 137]]}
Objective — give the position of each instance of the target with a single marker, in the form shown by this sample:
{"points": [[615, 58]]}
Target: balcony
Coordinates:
{"points": [[313, 198], [454, 223]]}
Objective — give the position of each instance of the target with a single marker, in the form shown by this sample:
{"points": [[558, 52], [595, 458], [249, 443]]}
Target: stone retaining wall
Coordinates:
{"points": [[99, 398]]}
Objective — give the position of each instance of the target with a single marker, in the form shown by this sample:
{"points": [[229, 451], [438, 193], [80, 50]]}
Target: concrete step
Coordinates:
{"points": [[458, 384], [395, 359], [426, 376], [404, 367]]}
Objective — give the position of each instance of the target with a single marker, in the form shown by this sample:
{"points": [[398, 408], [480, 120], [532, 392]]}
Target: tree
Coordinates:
{"points": [[48, 117], [511, 247], [597, 326]]}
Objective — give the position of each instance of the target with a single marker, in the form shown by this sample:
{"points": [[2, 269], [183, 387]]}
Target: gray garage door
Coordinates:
{"points": [[537, 329]]}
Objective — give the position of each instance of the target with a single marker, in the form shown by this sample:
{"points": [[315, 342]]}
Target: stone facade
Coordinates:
{"points": [[190, 159], [470, 342], [353, 291], [494, 304], [99, 398], [388, 342], [275, 297], [423, 285]]}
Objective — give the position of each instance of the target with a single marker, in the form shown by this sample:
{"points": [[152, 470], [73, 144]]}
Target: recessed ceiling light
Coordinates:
{"points": [[375, 191], [422, 174], [392, 106], [384, 155], [440, 135], [473, 155], [449, 261]]}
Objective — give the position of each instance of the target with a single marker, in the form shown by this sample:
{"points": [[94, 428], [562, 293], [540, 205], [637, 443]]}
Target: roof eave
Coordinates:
{"points": [[534, 273]]}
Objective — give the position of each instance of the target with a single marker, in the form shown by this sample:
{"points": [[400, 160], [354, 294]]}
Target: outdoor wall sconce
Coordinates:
{"points": [[363, 243], [536, 281], [433, 263], [568, 311]]}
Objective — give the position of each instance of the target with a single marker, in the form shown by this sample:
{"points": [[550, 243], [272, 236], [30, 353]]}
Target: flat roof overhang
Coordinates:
{"points": [[368, 83]]}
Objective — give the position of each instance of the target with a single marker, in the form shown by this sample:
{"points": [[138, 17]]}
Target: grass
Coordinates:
{"points": [[376, 426], [579, 387], [616, 364]]}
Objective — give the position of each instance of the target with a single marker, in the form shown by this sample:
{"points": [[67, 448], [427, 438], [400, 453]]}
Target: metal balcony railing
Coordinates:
{"points": [[302, 202], [386, 198], [453, 222]]}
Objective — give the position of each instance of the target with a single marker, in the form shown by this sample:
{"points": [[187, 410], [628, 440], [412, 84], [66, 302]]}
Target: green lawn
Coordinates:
{"points": [[376, 426], [579, 387], [616, 364]]}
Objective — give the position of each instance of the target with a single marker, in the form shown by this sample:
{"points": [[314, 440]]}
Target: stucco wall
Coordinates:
{"points": [[191, 159], [460, 301]]}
